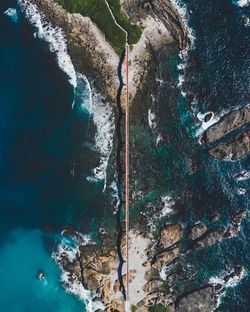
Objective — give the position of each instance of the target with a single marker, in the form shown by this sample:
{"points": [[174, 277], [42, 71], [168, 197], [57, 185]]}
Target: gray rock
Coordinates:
{"points": [[236, 218], [214, 218], [242, 175], [210, 238], [201, 300], [197, 230], [233, 150], [227, 124]]}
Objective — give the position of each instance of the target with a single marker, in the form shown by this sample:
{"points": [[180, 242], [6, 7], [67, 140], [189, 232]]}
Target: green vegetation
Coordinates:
{"points": [[158, 308], [134, 31], [99, 13], [133, 308]]}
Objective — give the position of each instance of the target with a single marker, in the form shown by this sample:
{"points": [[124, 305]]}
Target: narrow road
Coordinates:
{"points": [[127, 155]]}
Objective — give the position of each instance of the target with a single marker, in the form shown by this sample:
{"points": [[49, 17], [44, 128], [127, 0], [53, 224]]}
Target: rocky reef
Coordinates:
{"points": [[151, 280], [238, 145]]}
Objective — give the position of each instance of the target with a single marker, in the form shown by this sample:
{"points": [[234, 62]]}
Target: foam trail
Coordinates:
{"points": [[241, 3], [103, 118], [182, 10], [12, 13], [53, 36], [67, 250], [101, 112]]}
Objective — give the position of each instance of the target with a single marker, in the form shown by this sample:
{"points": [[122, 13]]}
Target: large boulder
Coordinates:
{"points": [[200, 300], [233, 150], [170, 234], [197, 230], [227, 124]]}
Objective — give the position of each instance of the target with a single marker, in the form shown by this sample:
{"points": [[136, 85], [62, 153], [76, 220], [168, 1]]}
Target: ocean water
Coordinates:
{"points": [[43, 180], [212, 76]]}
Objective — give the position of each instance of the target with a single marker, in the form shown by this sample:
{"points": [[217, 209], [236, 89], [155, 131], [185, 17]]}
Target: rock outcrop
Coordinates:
{"points": [[94, 57], [170, 235], [239, 145], [234, 150], [212, 237], [197, 230], [199, 300], [227, 124]]}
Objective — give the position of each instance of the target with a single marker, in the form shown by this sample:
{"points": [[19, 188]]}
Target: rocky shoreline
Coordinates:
{"points": [[152, 283], [96, 266]]}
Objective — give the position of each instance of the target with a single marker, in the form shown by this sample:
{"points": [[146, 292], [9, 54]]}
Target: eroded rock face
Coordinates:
{"points": [[234, 150], [165, 258], [170, 235], [201, 300], [213, 237], [158, 9], [197, 230], [227, 124], [210, 238]]}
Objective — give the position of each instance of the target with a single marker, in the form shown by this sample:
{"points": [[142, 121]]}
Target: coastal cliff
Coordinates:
{"points": [[93, 56]]}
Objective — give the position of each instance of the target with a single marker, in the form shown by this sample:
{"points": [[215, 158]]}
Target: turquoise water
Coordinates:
{"points": [[22, 257], [41, 139]]}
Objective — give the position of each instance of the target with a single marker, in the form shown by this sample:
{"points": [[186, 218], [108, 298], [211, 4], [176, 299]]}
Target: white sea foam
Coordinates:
{"points": [[243, 175], [241, 191], [206, 124], [53, 36], [68, 250], [241, 3], [168, 204], [232, 282], [151, 119], [183, 55], [101, 112], [103, 118], [12, 13]]}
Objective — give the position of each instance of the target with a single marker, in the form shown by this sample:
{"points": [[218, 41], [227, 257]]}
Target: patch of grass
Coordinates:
{"points": [[133, 308], [134, 31], [99, 13]]}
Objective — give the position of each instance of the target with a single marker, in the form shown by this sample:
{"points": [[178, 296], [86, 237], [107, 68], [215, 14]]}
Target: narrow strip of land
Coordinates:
{"points": [[127, 155], [127, 178]]}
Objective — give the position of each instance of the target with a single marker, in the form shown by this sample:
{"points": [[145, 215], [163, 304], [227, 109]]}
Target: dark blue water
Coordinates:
{"points": [[41, 141]]}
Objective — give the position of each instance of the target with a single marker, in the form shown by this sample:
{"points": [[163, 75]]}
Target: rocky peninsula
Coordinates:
{"points": [[157, 256]]}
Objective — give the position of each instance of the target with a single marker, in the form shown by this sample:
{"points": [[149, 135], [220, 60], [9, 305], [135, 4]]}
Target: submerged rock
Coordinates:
{"points": [[214, 218], [197, 230], [233, 150]]}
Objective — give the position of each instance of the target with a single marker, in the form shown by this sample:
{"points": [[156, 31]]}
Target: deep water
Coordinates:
{"points": [[43, 168]]}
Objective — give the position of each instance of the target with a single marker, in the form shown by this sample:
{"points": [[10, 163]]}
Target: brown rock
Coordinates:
{"points": [[165, 258], [197, 230], [227, 124], [233, 150], [170, 235]]}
